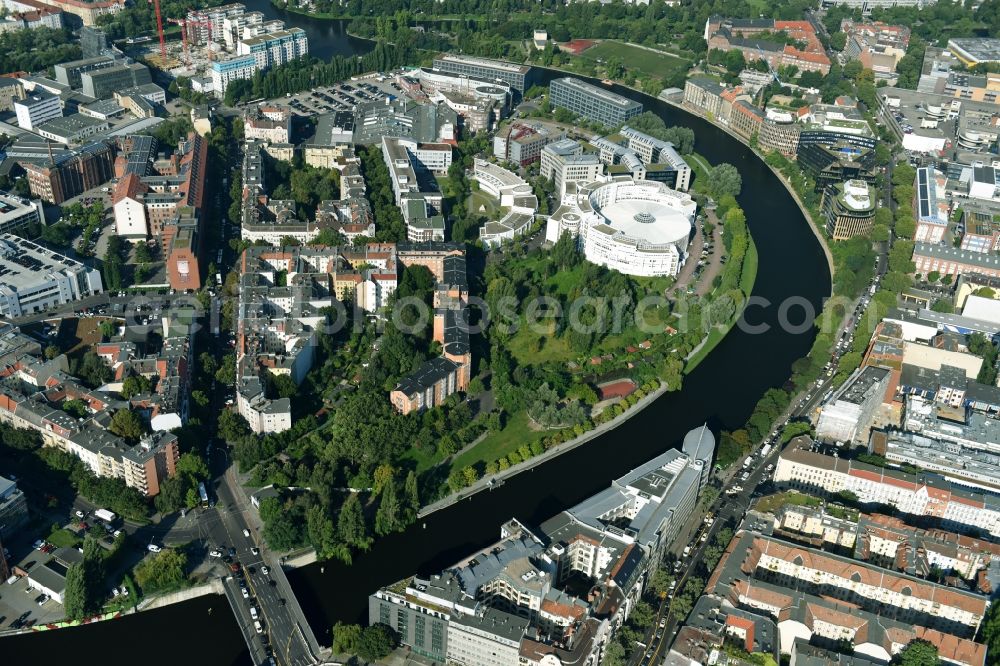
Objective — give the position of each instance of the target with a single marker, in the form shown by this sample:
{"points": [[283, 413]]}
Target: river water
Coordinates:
{"points": [[722, 391]]}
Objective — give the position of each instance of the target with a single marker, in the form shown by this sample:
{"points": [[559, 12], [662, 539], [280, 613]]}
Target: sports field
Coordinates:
{"points": [[646, 61]]}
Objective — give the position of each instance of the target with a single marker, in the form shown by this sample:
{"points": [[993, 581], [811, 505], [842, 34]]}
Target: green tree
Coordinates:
{"points": [[917, 652], [135, 385], [411, 495], [387, 516], [376, 642], [161, 571], [351, 525], [127, 425], [75, 595], [346, 638], [724, 179]]}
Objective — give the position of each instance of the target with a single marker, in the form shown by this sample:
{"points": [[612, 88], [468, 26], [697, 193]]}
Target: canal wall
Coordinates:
{"points": [[212, 587]]}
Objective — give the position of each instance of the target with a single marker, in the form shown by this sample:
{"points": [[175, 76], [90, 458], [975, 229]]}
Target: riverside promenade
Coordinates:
{"points": [[497, 480]]}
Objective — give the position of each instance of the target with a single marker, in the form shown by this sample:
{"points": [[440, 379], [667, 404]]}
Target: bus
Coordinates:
{"points": [[203, 493]]}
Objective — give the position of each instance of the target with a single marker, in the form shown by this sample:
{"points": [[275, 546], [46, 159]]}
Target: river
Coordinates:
{"points": [[722, 391]]}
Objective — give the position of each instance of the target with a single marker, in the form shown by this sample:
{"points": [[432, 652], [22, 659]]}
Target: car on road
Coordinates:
{"points": [[245, 592], [246, 533], [258, 627], [153, 548], [215, 553], [253, 612], [264, 570], [254, 550]]}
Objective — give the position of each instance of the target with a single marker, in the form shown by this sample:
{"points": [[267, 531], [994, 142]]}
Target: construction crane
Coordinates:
{"points": [[184, 38], [159, 30]]}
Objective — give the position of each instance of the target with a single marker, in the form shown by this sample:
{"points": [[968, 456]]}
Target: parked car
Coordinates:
{"points": [[245, 592], [153, 548]]}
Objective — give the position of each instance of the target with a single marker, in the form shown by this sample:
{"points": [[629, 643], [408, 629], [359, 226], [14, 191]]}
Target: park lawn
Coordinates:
{"points": [[421, 459], [652, 63], [524, 347], [495, 445], [63, 538], [749, 272]]}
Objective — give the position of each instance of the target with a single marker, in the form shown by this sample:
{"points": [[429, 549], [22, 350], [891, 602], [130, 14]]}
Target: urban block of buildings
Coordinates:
{"points": [[749, 37], [412, 167], [163, 199], [33, 390], [512, 602]]}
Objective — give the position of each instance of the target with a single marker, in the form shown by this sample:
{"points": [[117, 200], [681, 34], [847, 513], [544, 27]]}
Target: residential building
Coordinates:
{"points": [[29, 15], [930, 205], [592, 102], [563, 162], [268, 122], [17, 213], [101, 83], [834, 602], [704, 95], [518, 77], [849, 208], [88, 11], [866, 6], [36, 108], [744, 35], [35, 279], [878, 46], [69, 173], [253, 54], [847, 417], [13, 508], [921, 495], [72, 129]]}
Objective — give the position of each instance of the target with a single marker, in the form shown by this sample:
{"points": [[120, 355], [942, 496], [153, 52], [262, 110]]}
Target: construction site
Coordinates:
{"points": [[218, 45]]}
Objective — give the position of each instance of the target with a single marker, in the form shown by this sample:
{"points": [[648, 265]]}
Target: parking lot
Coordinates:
{"points": [[346, 96], [19, 607]]}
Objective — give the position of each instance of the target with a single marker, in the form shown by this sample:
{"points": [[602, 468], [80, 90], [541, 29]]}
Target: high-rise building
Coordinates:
{"points": [[849, 209], [93, 41]]}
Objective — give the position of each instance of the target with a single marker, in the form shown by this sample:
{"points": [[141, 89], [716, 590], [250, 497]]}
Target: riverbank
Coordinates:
{"points": [[214, 586], [497, 480]]}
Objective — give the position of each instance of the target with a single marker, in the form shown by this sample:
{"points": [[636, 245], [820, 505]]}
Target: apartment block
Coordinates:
{"points": [[744, 35], [13, 508], [919, 495]]}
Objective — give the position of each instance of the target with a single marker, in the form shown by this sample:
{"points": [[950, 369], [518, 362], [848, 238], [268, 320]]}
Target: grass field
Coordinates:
{"points": [[516, 433], [654, 63]]}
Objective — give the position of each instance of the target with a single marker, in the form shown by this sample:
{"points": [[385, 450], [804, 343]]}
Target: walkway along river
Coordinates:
{"points": [[721, 391]]}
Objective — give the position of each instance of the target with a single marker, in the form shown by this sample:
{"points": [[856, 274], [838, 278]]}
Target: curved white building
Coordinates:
{"points": [[636, 227]]}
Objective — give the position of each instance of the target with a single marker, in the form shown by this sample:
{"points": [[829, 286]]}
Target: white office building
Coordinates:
{"points": [[37, 108], [34, 279], [16, 212]]}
